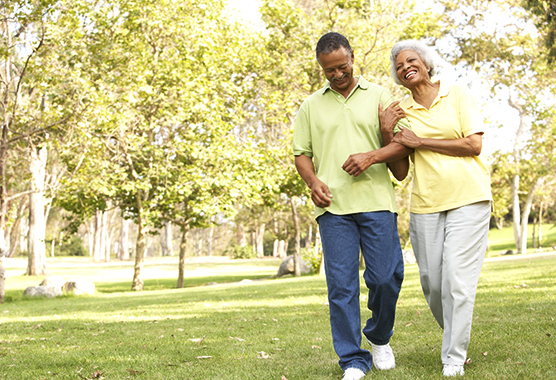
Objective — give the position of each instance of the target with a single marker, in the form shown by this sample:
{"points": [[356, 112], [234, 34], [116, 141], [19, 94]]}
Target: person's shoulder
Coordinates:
{"points": [[406, 102], [364, 83], [317, 95], [456, 87]]}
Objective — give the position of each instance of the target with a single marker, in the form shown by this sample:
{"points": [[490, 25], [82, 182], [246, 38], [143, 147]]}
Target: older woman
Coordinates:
{"points": [[451, 198]]}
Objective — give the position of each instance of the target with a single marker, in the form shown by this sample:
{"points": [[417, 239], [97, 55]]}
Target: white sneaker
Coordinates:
{"points": [[383, 357], [453, 370], [353, 374]]}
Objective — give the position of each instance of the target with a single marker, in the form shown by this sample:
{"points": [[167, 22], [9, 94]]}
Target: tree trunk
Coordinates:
{"points": [[526, 212], [166, 239], [259, 240], [210, 241], [318, 251], [140, 246], [309, 237], [533, 235], [297, 239], [123, 240], [105, 238], [2, 276], [283, 248], [6, 116], [97, 241], [91, 236], [518, 237], [541, 210], [199, 243], [37, 223], [516, 214], [15, 231], [240, 231], [183, 248]]}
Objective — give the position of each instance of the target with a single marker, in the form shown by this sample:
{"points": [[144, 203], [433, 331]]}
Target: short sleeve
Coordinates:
{"points": [[470, 117], [302, 133]]}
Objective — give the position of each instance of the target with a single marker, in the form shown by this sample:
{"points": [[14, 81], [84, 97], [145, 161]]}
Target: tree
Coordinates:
{"points": [[160, 143], [35, 107], [505, 56], [545, 10]]}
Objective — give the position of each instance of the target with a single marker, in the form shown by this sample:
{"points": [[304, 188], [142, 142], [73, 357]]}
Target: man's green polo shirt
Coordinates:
{"points": [[329, 128]]}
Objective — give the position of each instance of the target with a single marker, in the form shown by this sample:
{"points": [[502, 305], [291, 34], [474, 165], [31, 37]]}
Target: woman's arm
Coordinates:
{"points": [[463, 147]]}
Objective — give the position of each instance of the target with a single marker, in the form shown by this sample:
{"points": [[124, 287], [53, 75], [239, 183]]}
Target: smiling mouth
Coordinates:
{"points": [[410, 74], [341, 79]]}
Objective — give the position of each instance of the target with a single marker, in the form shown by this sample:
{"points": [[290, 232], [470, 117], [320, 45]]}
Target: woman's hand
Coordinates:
{"points": [[407, 138], [390, 116], [463, 147]]}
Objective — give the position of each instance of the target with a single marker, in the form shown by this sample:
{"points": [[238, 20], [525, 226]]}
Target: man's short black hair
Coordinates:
{"points": [[331, 42]]}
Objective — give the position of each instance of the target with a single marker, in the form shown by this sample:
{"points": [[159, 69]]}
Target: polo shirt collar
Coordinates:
{"points": [[443, 91], [362, 82]]}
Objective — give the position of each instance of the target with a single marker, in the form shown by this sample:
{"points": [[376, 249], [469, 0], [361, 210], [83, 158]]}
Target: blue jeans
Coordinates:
{"points": [[375, 235]]}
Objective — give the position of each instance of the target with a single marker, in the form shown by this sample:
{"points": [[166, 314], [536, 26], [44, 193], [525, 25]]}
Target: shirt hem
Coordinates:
{"points": [[320, 211], [431, 210]]}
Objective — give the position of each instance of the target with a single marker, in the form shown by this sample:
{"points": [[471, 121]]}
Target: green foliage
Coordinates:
{"points": [[312, 259], [425, 25], [72, 247], [545, 10], [236, 251]]}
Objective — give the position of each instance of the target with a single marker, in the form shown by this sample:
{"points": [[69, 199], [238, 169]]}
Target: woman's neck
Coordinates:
{"points": [[425, 93]]}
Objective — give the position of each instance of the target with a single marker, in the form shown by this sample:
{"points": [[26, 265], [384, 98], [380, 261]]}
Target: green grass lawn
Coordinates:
{"points": [[502, 240], [260, 329]]}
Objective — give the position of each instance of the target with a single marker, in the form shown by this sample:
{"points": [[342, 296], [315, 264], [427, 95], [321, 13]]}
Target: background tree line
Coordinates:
{"points": [[129, 125]]}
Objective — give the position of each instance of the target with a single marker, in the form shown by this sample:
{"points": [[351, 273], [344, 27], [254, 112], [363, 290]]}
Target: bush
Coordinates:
{"points": [[238, 252], [313, 260], [72, 247]]}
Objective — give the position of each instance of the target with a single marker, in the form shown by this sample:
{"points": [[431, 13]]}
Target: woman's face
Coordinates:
{"points": [[411, 69]]}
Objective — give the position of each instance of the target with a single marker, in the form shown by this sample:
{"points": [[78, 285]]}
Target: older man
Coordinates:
{"points": [[343, 155]]}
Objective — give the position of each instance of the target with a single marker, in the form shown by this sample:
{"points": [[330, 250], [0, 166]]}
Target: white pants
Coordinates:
{"points": [[450, 247]]}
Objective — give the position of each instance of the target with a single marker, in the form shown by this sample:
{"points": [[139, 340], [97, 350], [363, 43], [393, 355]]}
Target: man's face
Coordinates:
{"points": [[338, 69]]}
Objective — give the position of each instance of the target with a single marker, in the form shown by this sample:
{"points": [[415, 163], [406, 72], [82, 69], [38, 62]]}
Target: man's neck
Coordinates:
{"points": [[345, 93]]}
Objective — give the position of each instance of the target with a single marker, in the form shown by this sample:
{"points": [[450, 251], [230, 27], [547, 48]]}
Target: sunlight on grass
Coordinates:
{"points": [[270, 328], [502, 240]]}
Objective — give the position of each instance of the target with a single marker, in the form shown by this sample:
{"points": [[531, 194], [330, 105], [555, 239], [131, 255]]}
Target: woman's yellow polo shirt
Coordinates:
{"points": [[444, 182]]}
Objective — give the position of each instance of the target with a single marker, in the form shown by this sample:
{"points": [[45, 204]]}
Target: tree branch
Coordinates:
{"points": [[25, 135]]}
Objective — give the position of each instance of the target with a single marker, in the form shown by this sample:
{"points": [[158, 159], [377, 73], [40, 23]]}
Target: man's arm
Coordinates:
{"points": [[320, 194], [388, 119], [391, 153]]}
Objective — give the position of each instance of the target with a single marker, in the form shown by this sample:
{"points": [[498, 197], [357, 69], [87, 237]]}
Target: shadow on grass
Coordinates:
{"points": [[171, 283]]}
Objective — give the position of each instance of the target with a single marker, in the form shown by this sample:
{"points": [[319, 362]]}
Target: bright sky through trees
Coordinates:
{"points": [[496, 112]]}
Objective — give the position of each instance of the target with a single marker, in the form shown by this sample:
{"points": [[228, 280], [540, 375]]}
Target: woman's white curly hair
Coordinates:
{"points": [[426, 53]]}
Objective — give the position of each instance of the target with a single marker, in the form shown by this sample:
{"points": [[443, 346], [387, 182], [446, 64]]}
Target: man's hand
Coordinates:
{"points": [[320, 194], [390, 116], [357, 163]]}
